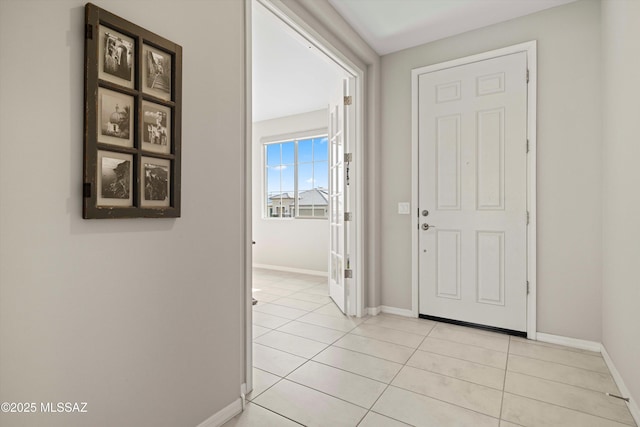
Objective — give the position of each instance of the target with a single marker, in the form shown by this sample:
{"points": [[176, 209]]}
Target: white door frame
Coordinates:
{"points": [[530, 49], [297, 24]]}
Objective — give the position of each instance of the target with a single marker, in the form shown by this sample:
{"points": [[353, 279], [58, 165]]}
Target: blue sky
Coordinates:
{"points": [[312, 165]]}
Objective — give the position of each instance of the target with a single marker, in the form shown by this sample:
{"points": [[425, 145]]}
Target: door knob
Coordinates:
{"points": [[426, 226]]}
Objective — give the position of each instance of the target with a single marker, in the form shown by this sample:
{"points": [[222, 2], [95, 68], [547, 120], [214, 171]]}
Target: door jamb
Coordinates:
{"points": [[530, 48]]}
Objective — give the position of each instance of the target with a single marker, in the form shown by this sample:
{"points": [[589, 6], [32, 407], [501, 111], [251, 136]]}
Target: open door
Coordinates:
{"points": [[340, 126]]}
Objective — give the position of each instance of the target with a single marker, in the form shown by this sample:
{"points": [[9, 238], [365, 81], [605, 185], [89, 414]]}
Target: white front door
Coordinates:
{"points": [[472, 192], [339, 142]]}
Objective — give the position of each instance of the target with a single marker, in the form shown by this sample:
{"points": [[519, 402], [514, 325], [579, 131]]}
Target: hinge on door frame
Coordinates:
{"points": [[528, 217], [527, 287], [348, 273], [348, 100], [347, 216], [527, 75], [348, 157], [527, 145]]}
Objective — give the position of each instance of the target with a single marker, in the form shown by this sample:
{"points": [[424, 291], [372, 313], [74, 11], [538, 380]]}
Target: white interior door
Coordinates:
{"points": [[339, 140], [472, 183]]}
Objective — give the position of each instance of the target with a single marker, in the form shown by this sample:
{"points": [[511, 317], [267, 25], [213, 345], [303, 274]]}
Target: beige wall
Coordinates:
{"points": [[141, 318], [291, 243], [621, 201], [569, 161]]}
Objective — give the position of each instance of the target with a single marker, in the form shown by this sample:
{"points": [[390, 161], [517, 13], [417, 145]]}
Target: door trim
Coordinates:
{"points": [[530, 48]]}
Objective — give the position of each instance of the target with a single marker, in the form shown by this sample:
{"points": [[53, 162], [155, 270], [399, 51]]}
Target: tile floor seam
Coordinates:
{"points": [[570, 409], [457, 358], [279, 379], [366, 322], [458, 342], [563, 364], [331, 317], [455, 378], [504, 380], [559, 382], [388, 342], [293, 354], [347, 371], [279, 414], [395, 419], [310, 339], [558, 347], [325, 393], [568, 349], [368, 354]]}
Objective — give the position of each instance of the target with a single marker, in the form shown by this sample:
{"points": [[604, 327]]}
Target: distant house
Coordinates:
{"points": [[311, 203]]}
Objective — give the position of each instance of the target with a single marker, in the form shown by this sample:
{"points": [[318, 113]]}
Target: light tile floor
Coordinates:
{"points": [[313, 366]]}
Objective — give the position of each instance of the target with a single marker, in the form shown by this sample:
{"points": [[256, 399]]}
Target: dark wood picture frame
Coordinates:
{"points": [[118, 63]]}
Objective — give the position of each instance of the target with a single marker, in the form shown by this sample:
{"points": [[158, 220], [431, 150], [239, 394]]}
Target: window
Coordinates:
{"points": [[297, 178]]}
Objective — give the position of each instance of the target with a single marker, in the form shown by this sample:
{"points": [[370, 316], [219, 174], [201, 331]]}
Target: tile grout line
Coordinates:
{"points": [[563, 364], [504, 380]]}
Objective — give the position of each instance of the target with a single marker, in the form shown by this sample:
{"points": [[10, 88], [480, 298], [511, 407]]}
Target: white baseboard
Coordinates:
{"points": [[624, 391], [569, 342], [397, 311], [291, 270], [223, 415], [373, 311]]}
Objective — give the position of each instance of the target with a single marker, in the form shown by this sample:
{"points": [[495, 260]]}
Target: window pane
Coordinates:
{"points": [[273, 180], [305, 177], [320, 149], [287, 153], [287, 180], [321, 175], [273, 154], [305, 151]]}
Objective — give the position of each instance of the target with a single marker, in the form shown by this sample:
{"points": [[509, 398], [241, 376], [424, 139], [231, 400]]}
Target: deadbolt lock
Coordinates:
{"points": [[425, 212]]}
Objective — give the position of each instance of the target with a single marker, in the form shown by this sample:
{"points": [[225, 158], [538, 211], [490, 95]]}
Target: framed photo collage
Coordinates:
{"points": [[132, 123]]}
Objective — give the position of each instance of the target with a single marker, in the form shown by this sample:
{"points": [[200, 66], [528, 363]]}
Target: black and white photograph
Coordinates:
{"points": [[116, 57], [115, 120], [155, 181], [156, 128], [115, 173], [156, 73]]}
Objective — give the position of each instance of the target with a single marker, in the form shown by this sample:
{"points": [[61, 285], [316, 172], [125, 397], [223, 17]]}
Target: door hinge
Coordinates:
{"points": [[527, 287], [348, 100], [88, 32], [527, 75], [347, 216], [527, 145], [348, 157], [348, 274], [528, 217]]}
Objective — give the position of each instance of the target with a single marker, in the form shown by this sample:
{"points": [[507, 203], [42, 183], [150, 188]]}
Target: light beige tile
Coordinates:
{"points": [[579, 399], [344, 385], [318, 290], [257, 416], [330, 309], [262, 380], [384, 350], [267, 320], [390, 335], [597, 381], [376, 420], [313, 332], [461, 369], [496, 359], [419, 410], [296, 303], [508, 424], [259, 330], [344, 324], [462, 393], [293, 344], [263, 297], [275, 361], [279, 310], [547, 344], [533, 413], [310, 407], [293, 284], [422, 327], [496, 342], [272, 291], [304, 296], [565, 357], [358, 363]]}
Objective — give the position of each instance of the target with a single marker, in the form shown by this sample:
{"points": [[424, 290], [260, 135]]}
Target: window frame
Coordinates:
{"points": [[294, 137]]}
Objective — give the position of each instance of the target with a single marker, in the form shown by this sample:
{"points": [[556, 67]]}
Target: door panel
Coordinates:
{"points": [[472, 180]]}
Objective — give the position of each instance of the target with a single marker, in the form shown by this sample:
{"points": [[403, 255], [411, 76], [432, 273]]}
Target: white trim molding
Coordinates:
{"points": [[570, 342], [397, 311], [624, 391], [291, 270], [223, 415], [530, 48], [374, 311]]}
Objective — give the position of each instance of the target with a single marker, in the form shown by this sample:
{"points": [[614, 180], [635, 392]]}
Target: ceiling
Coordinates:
{"points": [[291, 77], [392, 25]]}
